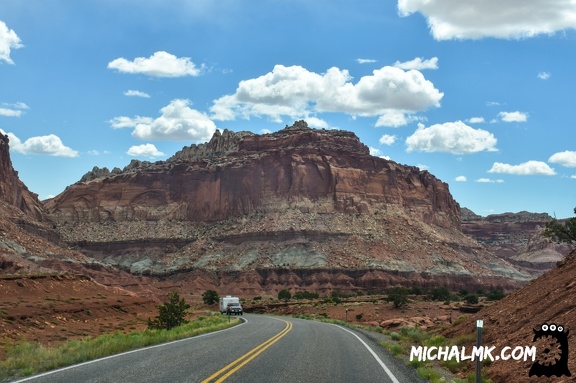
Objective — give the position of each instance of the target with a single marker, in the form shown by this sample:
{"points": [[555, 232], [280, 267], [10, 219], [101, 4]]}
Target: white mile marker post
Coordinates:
{"points": [[479, 325]]}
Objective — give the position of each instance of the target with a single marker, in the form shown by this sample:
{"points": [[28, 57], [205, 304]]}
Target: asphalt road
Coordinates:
{"points": [[263, 349]]}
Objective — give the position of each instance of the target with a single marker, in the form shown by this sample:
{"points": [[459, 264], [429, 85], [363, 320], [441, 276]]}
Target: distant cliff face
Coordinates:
{"points": [[516, 237], [12, 190], [235, 174], [243, 209]]}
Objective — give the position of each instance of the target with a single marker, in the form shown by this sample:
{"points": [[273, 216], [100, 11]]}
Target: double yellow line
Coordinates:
{"points": [[238, 363]]}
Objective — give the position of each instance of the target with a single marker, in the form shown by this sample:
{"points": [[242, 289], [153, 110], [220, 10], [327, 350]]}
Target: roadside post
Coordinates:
{"points": [[479, 325], [346, 315]]}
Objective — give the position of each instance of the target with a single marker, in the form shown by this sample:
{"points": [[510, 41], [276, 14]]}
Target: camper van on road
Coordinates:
{"points": [[230, 305]]}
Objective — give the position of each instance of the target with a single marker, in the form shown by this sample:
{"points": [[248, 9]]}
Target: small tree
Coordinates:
{"points": [[495, 294], [562, 231], [471, 299], [284, 295], [210, 297], [440, 294], [171, 314], [398, 296]]}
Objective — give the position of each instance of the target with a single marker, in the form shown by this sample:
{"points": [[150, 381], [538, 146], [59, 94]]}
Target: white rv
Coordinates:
{"points": [[230, 302]]}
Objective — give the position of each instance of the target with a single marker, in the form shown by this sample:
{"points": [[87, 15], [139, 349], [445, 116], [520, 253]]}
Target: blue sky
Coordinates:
{"points": [[479, 93]]}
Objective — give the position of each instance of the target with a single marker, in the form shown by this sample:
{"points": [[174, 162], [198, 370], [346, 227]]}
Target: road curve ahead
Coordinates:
{"points": [[263, 349]]}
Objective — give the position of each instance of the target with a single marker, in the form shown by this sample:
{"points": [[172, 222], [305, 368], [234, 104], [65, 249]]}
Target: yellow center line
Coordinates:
{"points": [[241, 361]]}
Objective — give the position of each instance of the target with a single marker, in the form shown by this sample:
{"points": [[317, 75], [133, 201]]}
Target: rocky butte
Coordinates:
{"points": [[300, 208], [516, 237]]}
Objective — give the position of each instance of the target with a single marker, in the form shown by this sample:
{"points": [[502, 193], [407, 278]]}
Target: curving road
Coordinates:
{"points": [[263, 349]]}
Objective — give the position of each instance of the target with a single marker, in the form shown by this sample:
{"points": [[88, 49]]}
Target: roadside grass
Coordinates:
{"points": [[401, 342], [29, 358]]}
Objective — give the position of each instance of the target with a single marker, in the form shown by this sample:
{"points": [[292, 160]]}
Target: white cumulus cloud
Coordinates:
{"points": [[566, 158], [544, 75], [526, 168], [296, 92], [476, 120], [136, 93], [452, 137], [489, 181], [47, 145], [12, 110], [387, 139], [144, 150], [178, 122], [418, 63], [374, 151], [476, 19], [365, 61], [461, 179], [129, 122], [8, 40], [6, 112], [160, 64], [513, 116]]}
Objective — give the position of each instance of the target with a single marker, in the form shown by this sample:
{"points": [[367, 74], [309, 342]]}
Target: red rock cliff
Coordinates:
{"points": [[238, 173], [12, 190]]}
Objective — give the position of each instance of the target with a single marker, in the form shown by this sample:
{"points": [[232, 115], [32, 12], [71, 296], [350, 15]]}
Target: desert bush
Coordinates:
{"points": [[284, 295], [305, 295], [210, 297], [171, 314], [495, 295], [398, 296], [440, 294], [414, 336], [417, 290]]}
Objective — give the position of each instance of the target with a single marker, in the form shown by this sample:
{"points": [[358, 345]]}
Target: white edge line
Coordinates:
{"points": [[386, 369], [244, 321]]}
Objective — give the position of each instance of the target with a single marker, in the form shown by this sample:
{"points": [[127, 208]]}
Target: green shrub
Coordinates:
{"points": [[417, 290], [451, 365], [394, 348], [471, 299], [463, 340], [305, 295], [440, 294], [414, 336], [495, 294], [284, 295], [210, 297], [171, 314], [429, 374], [436, 341], [398, 296]]}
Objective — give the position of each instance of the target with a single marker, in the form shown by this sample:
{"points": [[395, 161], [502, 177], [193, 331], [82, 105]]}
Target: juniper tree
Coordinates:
{"points": [[210, 297], [171, 314], [284, 295], [564, 231]]}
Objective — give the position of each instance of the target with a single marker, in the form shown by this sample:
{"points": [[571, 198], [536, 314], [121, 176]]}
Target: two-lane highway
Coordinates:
{"points": [[263, 349]]}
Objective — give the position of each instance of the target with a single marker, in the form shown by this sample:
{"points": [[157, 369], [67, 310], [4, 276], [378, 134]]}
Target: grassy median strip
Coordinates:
{"points": [[28, 358]]}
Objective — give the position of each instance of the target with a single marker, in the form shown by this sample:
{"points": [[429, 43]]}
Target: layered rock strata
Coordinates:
{"points": [[306, 200], [517, 238]]}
